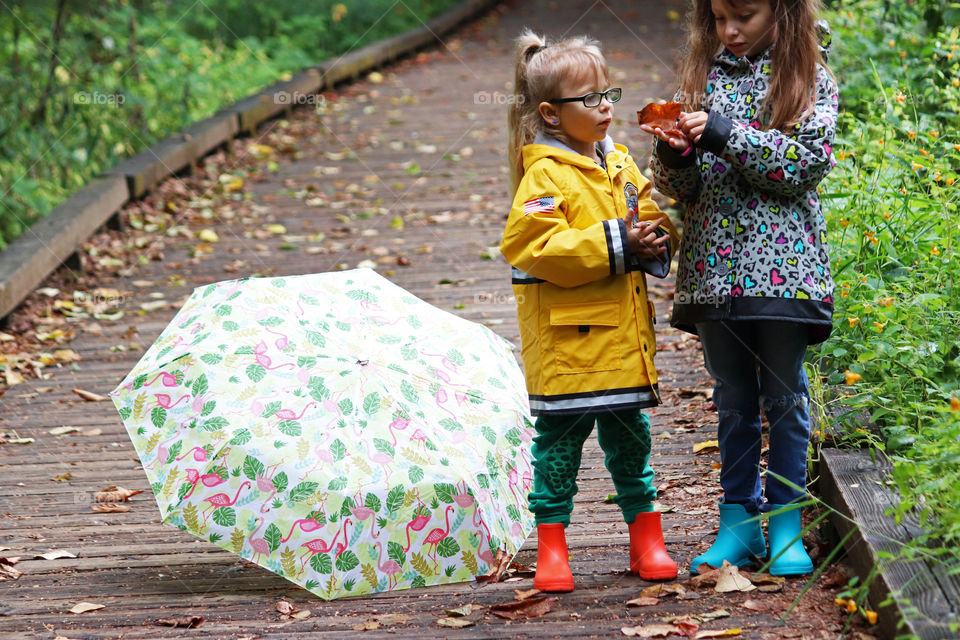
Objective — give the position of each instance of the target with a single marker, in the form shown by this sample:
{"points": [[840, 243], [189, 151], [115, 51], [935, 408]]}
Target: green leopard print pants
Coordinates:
{"points": [[625, 439]]}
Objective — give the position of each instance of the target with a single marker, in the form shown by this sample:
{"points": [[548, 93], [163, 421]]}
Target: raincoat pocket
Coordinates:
{"points": [[586, 336]]}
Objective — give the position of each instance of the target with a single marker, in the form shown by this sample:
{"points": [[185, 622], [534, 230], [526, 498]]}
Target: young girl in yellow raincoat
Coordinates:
{"points": [[581, 233]]}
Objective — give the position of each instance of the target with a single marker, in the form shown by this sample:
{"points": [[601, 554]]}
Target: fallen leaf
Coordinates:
{"points": [[92, 432], [729, 579], [301, 615], [109, 507], [369, 625], [63, 477], [753, 605], [55, 554], [7, 572], [523, 595], [285, 607], [59, 431], [713, 615], [704, 578], [394, 618], [718, 633], [500, 563], [455, 623], [113, 493], [186, 622], [643, 601], [276, 229], [83, 607], [650, 631], [465, 610], [660, 590], [89, 395], [527, 609], [706, 445]]}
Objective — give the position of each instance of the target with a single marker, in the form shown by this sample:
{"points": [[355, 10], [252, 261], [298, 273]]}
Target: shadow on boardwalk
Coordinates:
{"points": [[425, 145]]}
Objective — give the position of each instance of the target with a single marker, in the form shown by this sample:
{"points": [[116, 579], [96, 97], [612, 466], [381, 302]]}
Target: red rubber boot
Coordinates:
{"points": [[648, 554], [553, 564]]}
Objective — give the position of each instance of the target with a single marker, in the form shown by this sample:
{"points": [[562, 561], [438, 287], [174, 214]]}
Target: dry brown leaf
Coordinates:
{"points": [[766, 578], [500, 563], [527, 609], [59, 431], [113, 493], [300, 615], [89, 396], [729, 579], [713, 615], [63, 477], [285, 607], [186, 622], [660, 590], [393, 618], [523, 595], [460, 612], [110, 507], [753, 605], [643, 601], [83, 607], [704, 578], [92, 432], [650, 631], [7, 572], [455, 623], [369, 625], [770, 588]]}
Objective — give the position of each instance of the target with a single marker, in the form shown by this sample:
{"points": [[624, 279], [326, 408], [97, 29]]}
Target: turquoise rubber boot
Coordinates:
{"points": [[787, 554], [738, 541]]}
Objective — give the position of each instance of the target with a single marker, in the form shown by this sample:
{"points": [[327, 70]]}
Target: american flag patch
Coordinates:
{"points": [[538, 205]]}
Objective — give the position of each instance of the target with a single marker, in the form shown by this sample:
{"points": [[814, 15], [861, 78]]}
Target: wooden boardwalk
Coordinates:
{"points": [[425, 145]]}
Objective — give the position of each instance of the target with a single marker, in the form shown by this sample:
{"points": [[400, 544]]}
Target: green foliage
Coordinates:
{"points": [[892, 209], [87, 84]]}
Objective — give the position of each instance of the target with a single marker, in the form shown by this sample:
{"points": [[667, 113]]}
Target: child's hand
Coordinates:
{"points": [[692, 124], [680, 143], [643, 239]]}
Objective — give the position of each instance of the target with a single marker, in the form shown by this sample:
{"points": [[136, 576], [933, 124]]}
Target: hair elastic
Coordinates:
{"points": [[535, 51]]}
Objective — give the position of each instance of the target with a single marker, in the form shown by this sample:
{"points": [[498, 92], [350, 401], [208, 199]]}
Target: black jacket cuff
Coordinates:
{"points": [[673, 159], [716, 133]]}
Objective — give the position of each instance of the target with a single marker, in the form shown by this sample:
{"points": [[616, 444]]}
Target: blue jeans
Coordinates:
{"points": [[758, 364]]}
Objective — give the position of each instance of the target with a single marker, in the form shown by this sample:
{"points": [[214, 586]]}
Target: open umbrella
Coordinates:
{"points": [[336, 430]]}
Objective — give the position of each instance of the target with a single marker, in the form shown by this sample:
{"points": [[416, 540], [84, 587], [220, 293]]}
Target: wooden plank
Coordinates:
{"points": [[25, 263], [146, 169], [856, 487], [210, 133]]}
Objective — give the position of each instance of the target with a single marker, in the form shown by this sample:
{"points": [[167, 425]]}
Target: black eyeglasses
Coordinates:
{"points": [[593, 99]]}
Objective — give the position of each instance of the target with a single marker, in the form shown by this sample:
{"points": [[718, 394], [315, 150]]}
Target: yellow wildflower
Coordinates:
{"points": [[954, 403], [853, 321], [871, 616], [879, 326], [934, 251]]}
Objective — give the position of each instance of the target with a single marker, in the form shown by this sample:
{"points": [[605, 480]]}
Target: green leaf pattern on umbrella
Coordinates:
{"points": [[336, 430]]}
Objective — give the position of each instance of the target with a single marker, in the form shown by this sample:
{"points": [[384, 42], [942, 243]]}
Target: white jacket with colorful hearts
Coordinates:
{"points": [[754, 236]]}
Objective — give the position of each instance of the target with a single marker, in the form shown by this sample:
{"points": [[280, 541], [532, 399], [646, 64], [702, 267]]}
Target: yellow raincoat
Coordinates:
{"points": [[586, 325]]}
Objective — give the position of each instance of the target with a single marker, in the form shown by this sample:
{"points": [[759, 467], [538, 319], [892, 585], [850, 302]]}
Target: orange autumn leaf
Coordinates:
{"points": [[663, 116]]}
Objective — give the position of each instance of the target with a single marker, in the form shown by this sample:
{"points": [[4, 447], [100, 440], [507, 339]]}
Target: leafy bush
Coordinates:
{"points": [[892, 208], [87, 84]]}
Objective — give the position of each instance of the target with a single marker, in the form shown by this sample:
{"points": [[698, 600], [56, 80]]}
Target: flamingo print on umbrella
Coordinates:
{"points": [[166, 379], [390, 568], [319, 545], [259, 545], [165, 401], [260, 355], [222, 500], [306, 526], [199, 454], [437, 535], [268, 483], [207, 480]]}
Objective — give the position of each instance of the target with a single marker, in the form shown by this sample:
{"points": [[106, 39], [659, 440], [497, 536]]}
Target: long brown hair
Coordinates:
{"points": [[794, 60], [540, 70]]}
